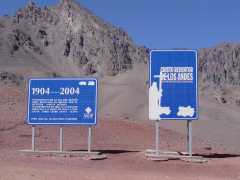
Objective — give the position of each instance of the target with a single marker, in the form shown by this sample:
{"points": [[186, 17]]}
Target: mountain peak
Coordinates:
{"points": [[68, 3], [67, 40]]}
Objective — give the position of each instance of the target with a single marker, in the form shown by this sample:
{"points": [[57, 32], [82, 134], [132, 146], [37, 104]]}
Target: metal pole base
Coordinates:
{"points": [[151, 154]]}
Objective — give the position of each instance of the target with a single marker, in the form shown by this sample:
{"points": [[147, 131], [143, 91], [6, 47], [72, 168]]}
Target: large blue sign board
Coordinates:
{"points": [[66, 101], [173, 90]]}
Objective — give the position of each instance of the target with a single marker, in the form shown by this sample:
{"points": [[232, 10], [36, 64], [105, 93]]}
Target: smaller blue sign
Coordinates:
{"points": [[62, 101]]}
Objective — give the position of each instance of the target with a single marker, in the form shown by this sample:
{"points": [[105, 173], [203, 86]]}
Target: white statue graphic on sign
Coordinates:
{"points": [[155, 95]]}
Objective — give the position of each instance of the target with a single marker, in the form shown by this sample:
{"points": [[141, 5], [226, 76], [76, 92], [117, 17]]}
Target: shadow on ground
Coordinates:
{"points": [[108, 151], [207, 156], [218, 156]]}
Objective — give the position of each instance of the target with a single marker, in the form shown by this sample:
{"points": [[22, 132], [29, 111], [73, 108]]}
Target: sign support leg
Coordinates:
{"points": [[89, 138], [61, 139], [157, 138], [189, 137], [33, 139]]}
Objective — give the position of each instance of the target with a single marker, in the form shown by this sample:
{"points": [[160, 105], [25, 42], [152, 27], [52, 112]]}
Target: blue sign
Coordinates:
{"points": [[173, 90], [66, 101]]}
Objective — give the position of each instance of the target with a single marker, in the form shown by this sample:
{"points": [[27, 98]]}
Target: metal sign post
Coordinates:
{"points": [[189, 137], [61, 139], [33, 139], [89, 138], [157, 138]]}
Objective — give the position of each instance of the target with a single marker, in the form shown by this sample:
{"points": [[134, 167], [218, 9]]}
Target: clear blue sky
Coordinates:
{"points": [[163, 23]]}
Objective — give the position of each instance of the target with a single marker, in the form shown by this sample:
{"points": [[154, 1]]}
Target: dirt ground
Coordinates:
{"points": [[122, 141]]}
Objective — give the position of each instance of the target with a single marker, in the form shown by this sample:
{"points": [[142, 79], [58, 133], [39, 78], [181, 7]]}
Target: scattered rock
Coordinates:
{"points": [[11, 78], [208, 148]]}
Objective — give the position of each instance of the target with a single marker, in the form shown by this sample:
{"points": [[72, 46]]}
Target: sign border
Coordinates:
{"points": [[59, 124], [196, 61]]}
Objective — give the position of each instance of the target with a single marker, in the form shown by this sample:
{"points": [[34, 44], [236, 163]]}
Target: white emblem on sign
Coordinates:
{"points": [[82, 83], [185, 111], [88, 110], [88, 114], [91, 83]]}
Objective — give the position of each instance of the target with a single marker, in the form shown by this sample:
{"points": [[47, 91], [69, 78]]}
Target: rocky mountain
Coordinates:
{"points": [[220, 66], [68, 40], [219, 72], [65, 40]]}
